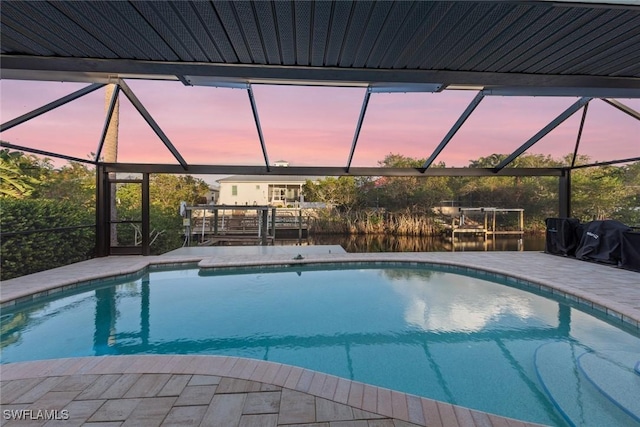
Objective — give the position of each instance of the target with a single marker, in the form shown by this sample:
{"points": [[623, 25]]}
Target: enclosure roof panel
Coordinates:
{"points": [[448, 43]]}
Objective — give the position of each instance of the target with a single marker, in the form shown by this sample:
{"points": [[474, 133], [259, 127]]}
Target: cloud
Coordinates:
{"points": [[456, 303]]}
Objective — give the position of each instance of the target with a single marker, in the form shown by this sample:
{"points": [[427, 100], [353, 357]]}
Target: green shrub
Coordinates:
{"points": [[167, 224], [29, 253]]}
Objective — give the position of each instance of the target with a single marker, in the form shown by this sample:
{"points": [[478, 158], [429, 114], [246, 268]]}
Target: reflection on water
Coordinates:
{"points": [[386, 243], [460, 303]]}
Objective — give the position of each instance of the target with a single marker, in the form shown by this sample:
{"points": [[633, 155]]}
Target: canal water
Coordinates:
{"points": [[384, 243]]}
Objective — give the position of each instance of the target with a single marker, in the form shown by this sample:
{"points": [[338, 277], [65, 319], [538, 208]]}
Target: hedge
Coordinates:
{"points": [[31, 252]]}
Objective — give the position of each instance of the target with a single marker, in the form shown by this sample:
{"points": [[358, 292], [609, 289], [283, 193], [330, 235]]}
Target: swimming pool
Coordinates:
{"points": [[425, 331]]}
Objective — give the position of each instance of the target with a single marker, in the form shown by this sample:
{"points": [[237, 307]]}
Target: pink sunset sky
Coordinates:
{"points": [[310, 126]]}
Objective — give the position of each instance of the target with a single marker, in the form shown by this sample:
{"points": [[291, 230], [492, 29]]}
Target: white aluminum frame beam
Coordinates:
{"points": [[538, 136], [254, 109], [622, 107], [315, 171], [386, 88], [81, 69], [577, 146], [363, 111], [149, 119], [50, 106], [611, 162], [593, 92], [457, 125], [44, 153]]}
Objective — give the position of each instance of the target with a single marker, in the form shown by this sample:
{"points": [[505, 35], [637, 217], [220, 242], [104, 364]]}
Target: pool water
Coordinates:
{"points": [[432, 333]]}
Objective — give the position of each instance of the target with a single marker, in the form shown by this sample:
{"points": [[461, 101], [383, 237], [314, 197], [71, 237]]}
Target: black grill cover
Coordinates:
{"points": [[630, 250], [563, 236], [601, 241]]}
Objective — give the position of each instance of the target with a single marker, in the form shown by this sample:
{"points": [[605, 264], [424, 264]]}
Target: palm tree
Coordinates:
{"points": [[110, 148], [14, 182], [110, 153]]}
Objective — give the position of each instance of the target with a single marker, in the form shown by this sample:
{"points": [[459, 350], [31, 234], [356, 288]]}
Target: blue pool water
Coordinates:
{"points": [[445, 336]]}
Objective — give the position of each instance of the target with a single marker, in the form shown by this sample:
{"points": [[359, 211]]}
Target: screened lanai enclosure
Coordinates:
{"points": [[134, 89]]}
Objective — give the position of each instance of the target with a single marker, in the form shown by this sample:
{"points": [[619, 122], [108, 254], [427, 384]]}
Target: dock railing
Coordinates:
{"points": [[213, 224]]}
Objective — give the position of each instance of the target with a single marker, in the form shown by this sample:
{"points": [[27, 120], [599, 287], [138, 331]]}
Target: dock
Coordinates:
{"points": [[211, 225], [487, 224]]}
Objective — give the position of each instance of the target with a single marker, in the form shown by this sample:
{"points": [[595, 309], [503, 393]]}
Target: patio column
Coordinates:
{"points": [[264, 221], [103, 209], [146, 216], [564, 194]]}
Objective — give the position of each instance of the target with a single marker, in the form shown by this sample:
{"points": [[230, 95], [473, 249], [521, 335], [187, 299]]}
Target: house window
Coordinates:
{"points": [[257, 186], [234, 190]]}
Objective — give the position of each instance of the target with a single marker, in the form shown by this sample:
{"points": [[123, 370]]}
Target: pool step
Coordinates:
{"points": [[613, 374], [573, 394]]}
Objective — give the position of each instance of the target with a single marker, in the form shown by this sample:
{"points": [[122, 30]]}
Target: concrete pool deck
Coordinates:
{"points": [[211, 390]]}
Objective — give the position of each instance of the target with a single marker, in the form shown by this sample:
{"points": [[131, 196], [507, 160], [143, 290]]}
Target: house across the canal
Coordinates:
{"points": [[251, 190]]}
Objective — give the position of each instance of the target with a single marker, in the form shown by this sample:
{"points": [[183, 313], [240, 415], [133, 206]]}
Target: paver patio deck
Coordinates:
{"points": [[211, 390]]}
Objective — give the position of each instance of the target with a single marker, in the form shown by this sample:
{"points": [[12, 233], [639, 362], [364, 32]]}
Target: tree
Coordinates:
{"points": [[37, 196], [168, 190], [13, 182], [629, 212], [598, 192], [338, 192], [19, 174], [74, 182], [165, 194], [536, 195], [417, 194]]}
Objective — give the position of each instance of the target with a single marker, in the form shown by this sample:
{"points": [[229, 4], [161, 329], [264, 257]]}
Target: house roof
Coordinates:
{"points": [[276, 179]]}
